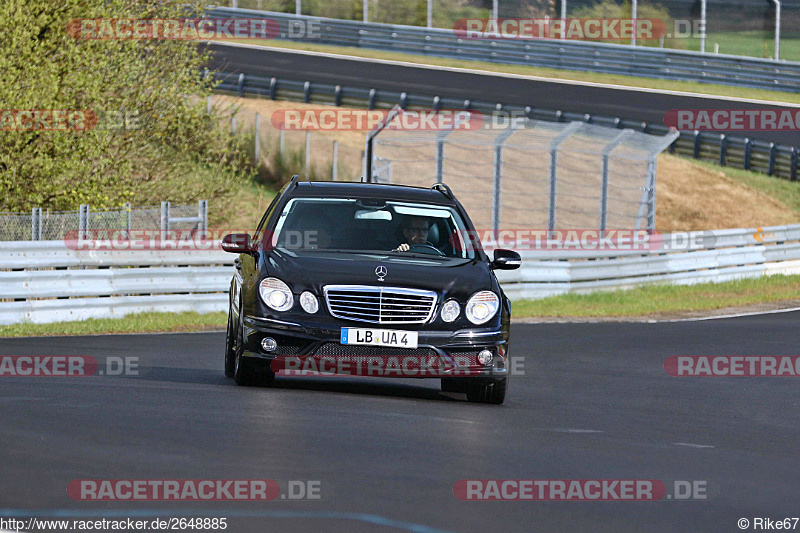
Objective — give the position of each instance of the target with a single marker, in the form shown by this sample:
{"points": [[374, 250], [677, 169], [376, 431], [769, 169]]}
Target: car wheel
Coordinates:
{"points": [[493, 392], [243, 372], [453, 385], [230, 356]]}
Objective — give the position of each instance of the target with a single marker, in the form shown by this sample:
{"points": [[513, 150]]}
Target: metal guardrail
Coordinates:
{"points": [[552, 53], [727, 150], [46, 281]]}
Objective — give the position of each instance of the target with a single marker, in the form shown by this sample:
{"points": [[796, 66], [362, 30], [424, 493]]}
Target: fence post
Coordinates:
{"points": [[554, 144], [127, 208], [164, 220], [83, 221], [696, 151], [440, 137], [273, 86], [308, 154], [282, 137], [208, 104], [337, 96], [748, 152], [240, 88], [36, 224], [772, 153], [202, 214], [307, 92], [723, 149], [606, 153], [257, 142], [233, 124], [497, 188], [371, 100], [334, 170]]}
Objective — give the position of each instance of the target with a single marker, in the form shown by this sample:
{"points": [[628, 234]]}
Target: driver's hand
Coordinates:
{"points": [[402, 248]]}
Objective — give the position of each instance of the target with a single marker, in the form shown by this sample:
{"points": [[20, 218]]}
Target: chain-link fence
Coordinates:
{"points": [[531, 174], [45, 225]]}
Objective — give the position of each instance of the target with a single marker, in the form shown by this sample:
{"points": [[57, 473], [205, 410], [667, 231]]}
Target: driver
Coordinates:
{"points": [[415, 231]]}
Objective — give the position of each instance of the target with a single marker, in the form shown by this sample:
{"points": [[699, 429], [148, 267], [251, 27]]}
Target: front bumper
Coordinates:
{"points": [[316, 346]]}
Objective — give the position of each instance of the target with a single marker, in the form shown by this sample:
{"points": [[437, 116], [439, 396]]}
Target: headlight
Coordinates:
{"points": [[450, 310], [276, 294], [482, 306], [309, 302]]}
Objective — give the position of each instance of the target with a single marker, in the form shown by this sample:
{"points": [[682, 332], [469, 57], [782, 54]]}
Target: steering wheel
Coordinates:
{"points": [[425, 249]]}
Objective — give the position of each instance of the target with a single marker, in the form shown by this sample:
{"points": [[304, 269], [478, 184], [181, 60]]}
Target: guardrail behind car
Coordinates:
{"points": [[48, 281]]}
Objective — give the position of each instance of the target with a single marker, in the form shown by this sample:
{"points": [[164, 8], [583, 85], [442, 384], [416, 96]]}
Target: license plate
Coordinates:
{"points": [[379, 337]]}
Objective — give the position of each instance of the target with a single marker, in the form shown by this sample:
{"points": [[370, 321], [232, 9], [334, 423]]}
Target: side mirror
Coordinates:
{"points": [[237, 243], [506, 260]]}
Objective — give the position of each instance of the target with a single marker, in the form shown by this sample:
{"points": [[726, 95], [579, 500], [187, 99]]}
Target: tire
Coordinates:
{"points": [[493, 392], [453, 385], [230, 356], [244, 373]]}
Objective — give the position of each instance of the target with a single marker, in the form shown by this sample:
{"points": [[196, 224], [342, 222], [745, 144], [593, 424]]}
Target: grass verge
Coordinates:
{"points": [[574, 75], [138, 323], [663, 299]]}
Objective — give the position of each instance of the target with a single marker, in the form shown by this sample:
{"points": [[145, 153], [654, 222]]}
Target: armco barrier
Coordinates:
{"points": [[45, 281], [552, 53], [734, 151]]}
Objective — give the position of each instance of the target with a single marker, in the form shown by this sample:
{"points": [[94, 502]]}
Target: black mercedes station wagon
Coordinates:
{"points": [[369, 280]]}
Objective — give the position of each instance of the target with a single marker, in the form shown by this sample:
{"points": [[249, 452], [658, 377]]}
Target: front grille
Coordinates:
{"points": [[380, 305], [335, 349]]}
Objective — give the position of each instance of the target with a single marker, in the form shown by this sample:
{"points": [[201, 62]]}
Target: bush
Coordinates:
{"points": [[644, 10]]}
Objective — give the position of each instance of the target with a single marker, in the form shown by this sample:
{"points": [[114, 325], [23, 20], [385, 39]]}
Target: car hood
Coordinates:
{"points": [[313, 270]]}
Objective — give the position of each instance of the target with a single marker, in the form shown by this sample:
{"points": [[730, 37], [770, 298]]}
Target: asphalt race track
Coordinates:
{"points": [[625, 103], [594, 403]]}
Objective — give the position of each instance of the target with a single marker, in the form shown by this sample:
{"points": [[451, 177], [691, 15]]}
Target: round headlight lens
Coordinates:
{"points": [[309, 303], [450, 310], [276, 294], [482, 306]]}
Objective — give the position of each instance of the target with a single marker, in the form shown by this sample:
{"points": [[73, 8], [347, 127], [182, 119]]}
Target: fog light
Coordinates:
{"points": [[268, 344], [485, 357]]}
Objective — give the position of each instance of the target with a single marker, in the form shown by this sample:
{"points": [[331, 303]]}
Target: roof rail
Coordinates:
{"points": [[444, 189], [293, 183]]}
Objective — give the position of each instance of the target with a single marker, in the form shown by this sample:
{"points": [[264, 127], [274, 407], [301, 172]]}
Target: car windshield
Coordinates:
{"points": [[371, 225]]}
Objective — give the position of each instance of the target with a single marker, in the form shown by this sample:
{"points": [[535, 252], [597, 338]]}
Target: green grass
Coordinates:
{"points": [[629, 81], [654, 299], [786, 191], [139, 323], [748, 43]]}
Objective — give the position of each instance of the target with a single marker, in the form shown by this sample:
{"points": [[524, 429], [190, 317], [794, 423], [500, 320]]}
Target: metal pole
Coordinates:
{"points": [[128, 216], [563, 19], [308, 153], [495, 9], [497, 196], [282, 137], [554, 144], [257, 142], [164, 220], [440, 137], [634, 9], [36, 224], [83, 221], [208, 105], [606, 153], [298, 8], [703, 26], [430, 13], [777, 29], [202, 214], [234, 4], [334, 170], [366, 11], [233, 124]]}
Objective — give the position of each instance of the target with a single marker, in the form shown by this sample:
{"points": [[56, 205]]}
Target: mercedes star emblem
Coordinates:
{"points": [[381, 272]]}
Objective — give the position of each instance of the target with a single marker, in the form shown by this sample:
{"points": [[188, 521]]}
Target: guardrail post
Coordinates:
{"points": [[257, 141], [334, 170], [793, 174], [127, 208], [202, 214], [241, 84], [436, 103], [723, 149], [83, 221], [748, 152], [467, 104], [772, 152], [273, 87], [164, 220], [337, 96], [307, 92], [403, 100], [696, 150], [371, 100], [36, 224]]}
